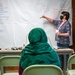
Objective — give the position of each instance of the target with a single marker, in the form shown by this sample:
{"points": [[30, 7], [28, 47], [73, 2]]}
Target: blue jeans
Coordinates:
{"points": [[61, 57]]}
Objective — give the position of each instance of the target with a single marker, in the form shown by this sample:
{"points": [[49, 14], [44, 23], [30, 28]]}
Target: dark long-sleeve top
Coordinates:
{"points": [[65, 28]]}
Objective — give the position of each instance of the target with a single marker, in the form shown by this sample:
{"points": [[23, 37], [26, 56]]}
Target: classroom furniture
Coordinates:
{"points": [[71, 61], [63, 52], [9, 60], [42, 70]]}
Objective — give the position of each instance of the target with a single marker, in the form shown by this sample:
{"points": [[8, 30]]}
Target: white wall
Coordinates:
{"points": [[18, 17]]}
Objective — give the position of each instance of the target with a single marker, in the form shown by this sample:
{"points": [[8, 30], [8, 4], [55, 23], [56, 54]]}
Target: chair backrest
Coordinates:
{"points": [[42, 70], [71, 60], [11, 60]]}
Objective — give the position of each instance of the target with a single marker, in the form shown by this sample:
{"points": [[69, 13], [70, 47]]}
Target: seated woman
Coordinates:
{"points": [[38, 51]]}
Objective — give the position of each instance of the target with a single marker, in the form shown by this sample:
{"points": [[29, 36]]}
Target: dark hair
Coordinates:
{"points": [[67, 14]]}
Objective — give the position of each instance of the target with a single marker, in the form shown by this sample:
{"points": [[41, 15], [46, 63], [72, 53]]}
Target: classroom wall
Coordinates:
{"points": [[73, 26], [73, 23], [18, 17]]}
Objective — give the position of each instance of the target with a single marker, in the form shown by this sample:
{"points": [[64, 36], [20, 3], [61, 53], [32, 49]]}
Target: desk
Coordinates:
{"points": [[59, 51], [18, 52], [64, 52]]}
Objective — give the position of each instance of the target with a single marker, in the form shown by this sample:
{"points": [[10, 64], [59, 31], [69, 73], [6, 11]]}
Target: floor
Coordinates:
{"points": [[12, 69]]}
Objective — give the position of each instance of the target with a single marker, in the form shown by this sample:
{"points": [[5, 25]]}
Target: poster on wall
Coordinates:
{"points": [[18, 17]]}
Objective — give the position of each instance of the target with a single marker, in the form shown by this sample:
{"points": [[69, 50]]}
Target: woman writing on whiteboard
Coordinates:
{"points": [[63, 31]]}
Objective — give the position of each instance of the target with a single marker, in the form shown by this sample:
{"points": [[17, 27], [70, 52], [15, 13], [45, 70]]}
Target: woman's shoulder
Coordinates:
{"points": [[68, 23]]}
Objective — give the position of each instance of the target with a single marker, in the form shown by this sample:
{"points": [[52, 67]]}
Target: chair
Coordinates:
{"points": [[71, 61], [42, 70], [11, 60]]}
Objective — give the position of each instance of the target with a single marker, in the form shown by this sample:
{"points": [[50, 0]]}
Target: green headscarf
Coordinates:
{"points": [[38, 51]]}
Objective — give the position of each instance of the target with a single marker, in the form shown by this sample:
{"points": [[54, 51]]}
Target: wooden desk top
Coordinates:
{"points": [[57, 50]]}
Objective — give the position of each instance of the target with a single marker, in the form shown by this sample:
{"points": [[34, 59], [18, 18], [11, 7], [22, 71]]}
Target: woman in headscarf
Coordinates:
{"points": [[38, 51]]}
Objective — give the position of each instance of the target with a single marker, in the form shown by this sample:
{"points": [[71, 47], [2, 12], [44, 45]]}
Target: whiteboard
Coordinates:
{"points": [[18, 17]]}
